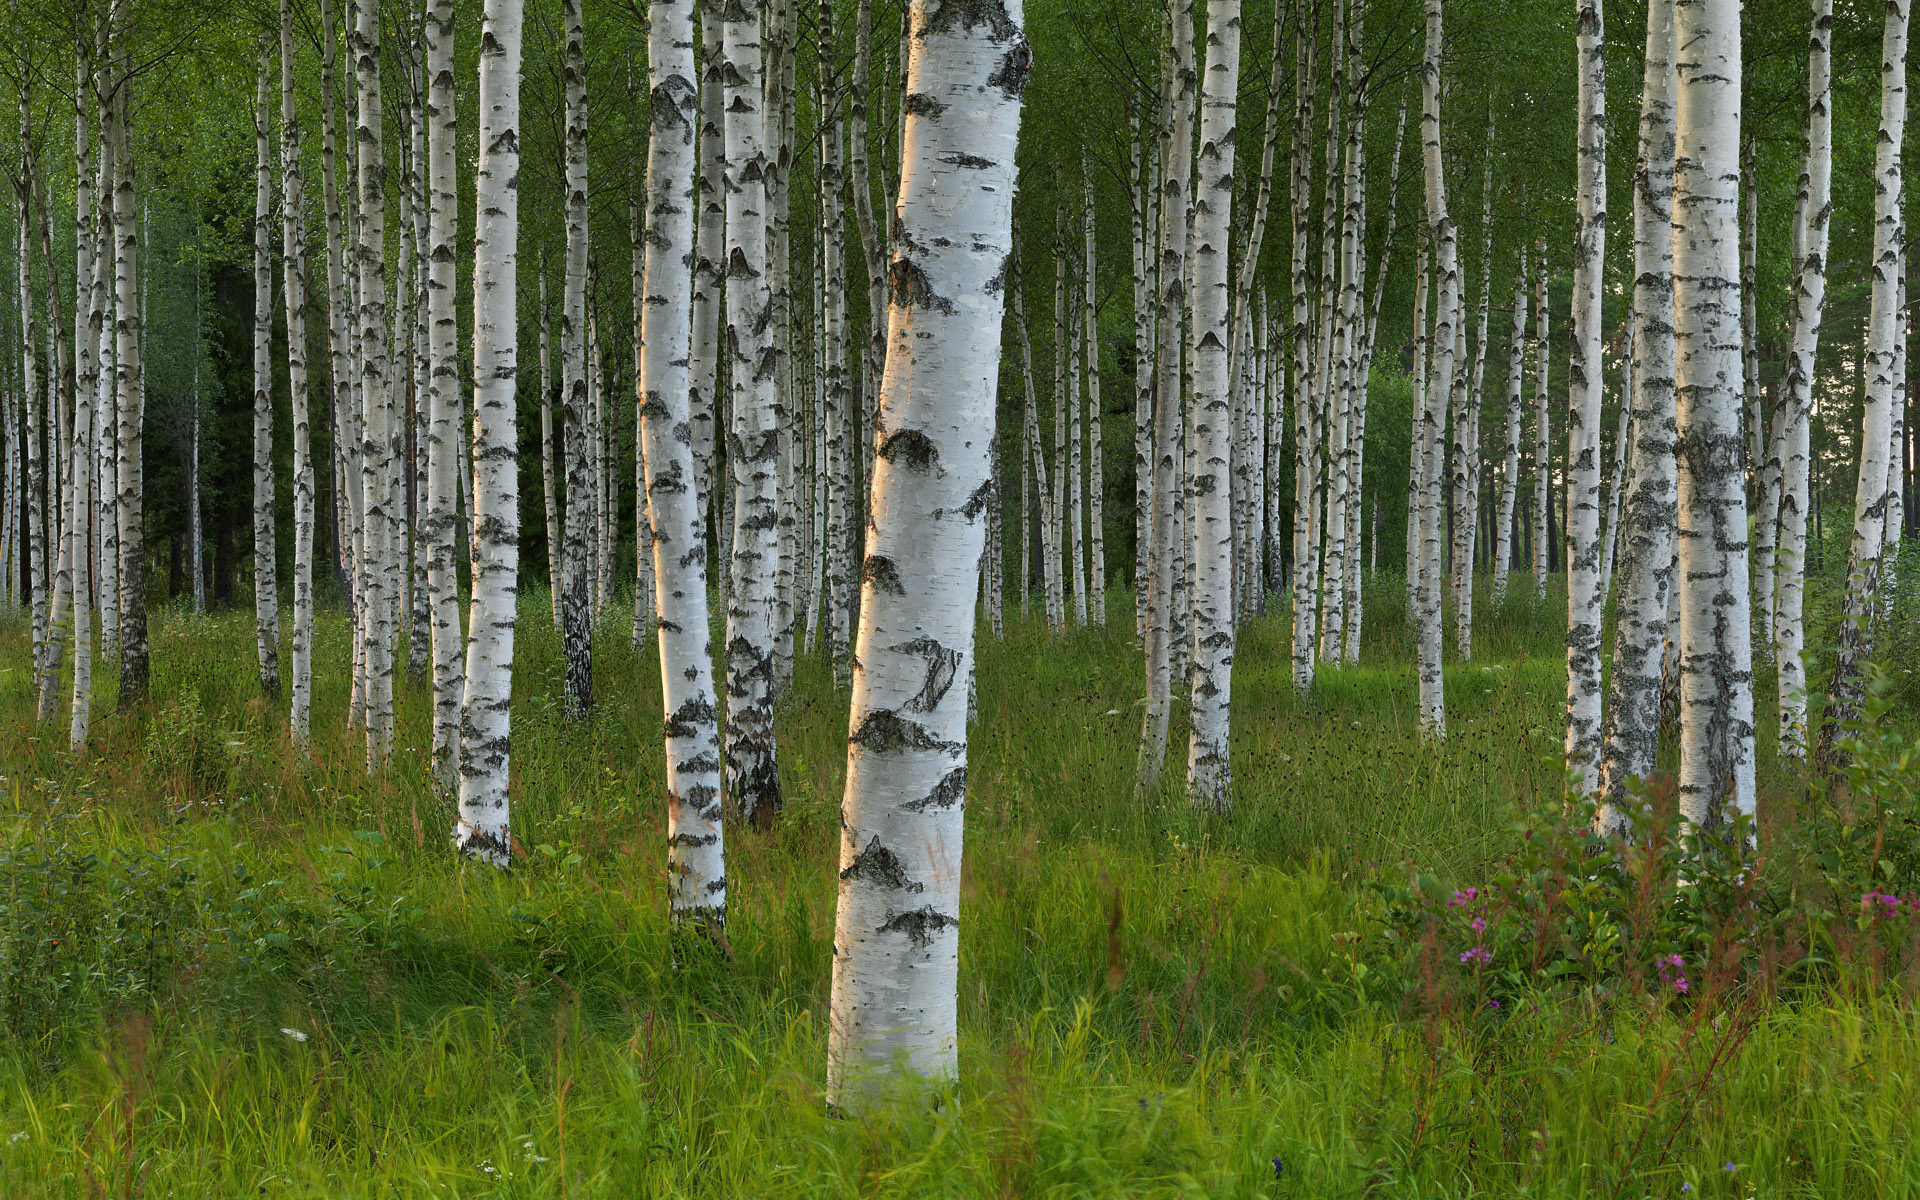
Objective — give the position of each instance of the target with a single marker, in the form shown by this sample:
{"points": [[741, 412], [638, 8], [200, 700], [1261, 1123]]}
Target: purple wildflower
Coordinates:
{"points": [[1479, 954]]}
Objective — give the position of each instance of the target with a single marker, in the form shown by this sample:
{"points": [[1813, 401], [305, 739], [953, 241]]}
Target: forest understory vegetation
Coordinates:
{"points": [[1399, 969]]}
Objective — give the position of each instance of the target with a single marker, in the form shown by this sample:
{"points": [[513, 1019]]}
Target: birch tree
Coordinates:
{"points": [[380, 569], [1542, 426], [1716, 653], [753, 438], [896, 933], [443, 398], [1648, 520], [1809, 304], [88, 287], [1510, 465], [1176, 145], [696, 865], [1209, 773], [1585, 597], [1433, 716], [1306, 461], [482, 830], [578, 566], [293, 270], [1886, 328], [266, 598]]}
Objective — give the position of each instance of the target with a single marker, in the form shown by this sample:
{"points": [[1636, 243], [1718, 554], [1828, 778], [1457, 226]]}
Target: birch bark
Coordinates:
{"points": [[293, 269], [1886, 327], [376, 433], [444, 424], [1585, 596], [482, 830], [1433, 715], [1209, 771], [896, 937], [578, 566], [266, 594], [1716, 652]]}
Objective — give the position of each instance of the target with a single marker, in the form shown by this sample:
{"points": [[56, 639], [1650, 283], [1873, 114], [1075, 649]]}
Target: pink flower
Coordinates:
{"points": [[1479, 924], [1479, 954]]}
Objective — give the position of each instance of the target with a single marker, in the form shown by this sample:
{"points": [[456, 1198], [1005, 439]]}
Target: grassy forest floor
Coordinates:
{"points": [[223, 973]]}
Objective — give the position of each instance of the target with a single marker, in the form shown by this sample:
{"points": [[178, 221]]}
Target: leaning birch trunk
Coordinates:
{"points": [[1886, 326], [1716, 650], [130, 392], [293, 269], [482, 830], [86, 343], [1585, 385], [1433, 714], [1646, 636], [380, 567], [1209, 772], [266, 596], [1176, 140], [696, 864], [753, 442], [578, 568], [1809, 303], [896, 935], [444, 424]]}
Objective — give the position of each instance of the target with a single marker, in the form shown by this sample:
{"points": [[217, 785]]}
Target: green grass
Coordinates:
{"points": [[1153, 1002]]}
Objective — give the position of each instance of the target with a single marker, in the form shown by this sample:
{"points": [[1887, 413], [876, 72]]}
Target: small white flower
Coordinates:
{"points": [[295, 1034], [21, 1136]]}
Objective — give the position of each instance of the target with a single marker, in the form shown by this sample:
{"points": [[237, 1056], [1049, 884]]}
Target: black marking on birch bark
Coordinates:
{"points": [[887, 732], [942, 664], [923, 104], [715, 886], [972, 162], [975, 505], [909, 287], [478, 844], [998, 283], [953, 15], [1011, 75], [880, 571], [951, 790], [693, 839], [909, 448], [738, 267], [921, 924], [877, 864], [701, 764], [699, 795], [690, 716]]}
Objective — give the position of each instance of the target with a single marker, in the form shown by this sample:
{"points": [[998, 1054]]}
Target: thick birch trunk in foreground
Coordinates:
{"points": [[444, 424], [482, 830], [1176, 142], [1209, 773], [1648, 519], [896, 934], [1886, 326], [1809, 304], [753, 440], [578, 567], [1716, 651], [1433, 714], [266, 592], [1585, 598], [696, 864], [293, 259]]}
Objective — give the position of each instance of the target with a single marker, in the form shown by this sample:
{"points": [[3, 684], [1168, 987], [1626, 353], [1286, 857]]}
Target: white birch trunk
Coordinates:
{"points": [[1096, 468], [696, 864], [1433, 715], [896, 935], [1306, 488], [293, 259], [709, 272], [1586, 598], [266, 595], [1176, 143], [1886, 327], [86, 340], [1542, 425], [444, 425], [130, 389], [380, 570], [482, 830], [1209, 773], [549, 453], [577, 559], [752, 773], [1809, 304], [1716, 650]]}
